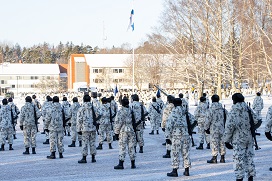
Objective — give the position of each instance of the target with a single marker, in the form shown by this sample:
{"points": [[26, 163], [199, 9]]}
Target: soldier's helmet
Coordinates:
{"points": [[177, 102], [94, 94], [28, 99], [125, 102], [75, 99]]}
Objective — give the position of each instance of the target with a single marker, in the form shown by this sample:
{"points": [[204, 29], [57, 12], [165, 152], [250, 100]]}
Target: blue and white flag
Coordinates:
{"points": [[131, 21], [158, 94], [115, 90]]}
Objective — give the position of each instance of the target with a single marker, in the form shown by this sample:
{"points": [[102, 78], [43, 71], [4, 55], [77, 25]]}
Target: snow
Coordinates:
{"points": [[150, 164]]}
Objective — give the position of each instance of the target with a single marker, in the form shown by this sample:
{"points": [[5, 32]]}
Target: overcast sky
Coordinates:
{"points": [[30, 22]]}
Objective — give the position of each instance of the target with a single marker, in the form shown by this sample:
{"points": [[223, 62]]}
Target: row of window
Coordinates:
{"points": [[27, 78], [99, 71], [24, 86], [114, 80]]}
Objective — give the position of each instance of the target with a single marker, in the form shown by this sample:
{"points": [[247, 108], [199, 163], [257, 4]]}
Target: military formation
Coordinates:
{"points": [[97, 120]]}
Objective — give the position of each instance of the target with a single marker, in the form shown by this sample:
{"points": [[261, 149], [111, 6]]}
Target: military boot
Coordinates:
{"points": [[60, 155], [110, 147], [69, 134], [83, 160], [239, 179], [33, 150], [80, 143], [186, 172], [99, 147], [10, 147], [73, 144], [14, 137], [250, 178], [120, 165], [208, 146], [200, 147], [26, 151], [133, 164], [174, 173], [167, 155], [213, 160], [93, 158], [152, 132], [157, 131], [141, 149], [46, 142], [52, 156], [222, 160], [2, 147]]}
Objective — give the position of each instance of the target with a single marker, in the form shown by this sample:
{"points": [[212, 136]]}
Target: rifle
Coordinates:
{"points": [[225, 116], [95, 120], [36, 120], [190, 130], [252, 129], [12, 120], [161, 90], [143, 115], [134, 125]]}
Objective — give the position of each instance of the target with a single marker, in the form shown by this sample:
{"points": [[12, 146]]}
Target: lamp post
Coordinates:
{"points": [[17, 84]]}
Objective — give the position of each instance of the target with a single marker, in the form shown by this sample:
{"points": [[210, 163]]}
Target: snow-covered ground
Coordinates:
{"points": [[150, 165]]}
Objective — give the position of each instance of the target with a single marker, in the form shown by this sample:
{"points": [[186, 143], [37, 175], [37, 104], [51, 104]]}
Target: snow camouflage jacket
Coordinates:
{"points": [[154, 110], [27, 117], [123, 121], [166, 112], [16, 109], [184, 104], [136, 107], [200, 112], [114, 107], [66, 108], [268, 125], [237, 129], [85, 118], [74, 109], [160, 103], [257, 103], [5, 117], [215, 119], [105, 114], [54, 118], [96, 103], [45, 107]]}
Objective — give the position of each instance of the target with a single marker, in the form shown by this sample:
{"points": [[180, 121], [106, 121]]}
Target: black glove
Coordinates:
{"points": [[148, 118], [21, 127], [117, 136], [268, 135], [69, 124], [228, 145], [168, 141], [46, 130], [163, 129], [208, 131], [80, 133]]}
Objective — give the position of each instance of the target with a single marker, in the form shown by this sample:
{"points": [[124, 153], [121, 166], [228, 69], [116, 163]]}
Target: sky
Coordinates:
{"points": [[30, 22]]}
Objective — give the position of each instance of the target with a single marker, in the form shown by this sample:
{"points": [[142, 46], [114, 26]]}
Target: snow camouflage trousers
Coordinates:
{"points": [[168, 146], [140, 137], [217, 144], [56, 138], [243, 160], [88, 139], [127, 139], [180, 145], [105, 129], [30, 133], [74, 134], [155, 123], [6, 132], [202, 134]]}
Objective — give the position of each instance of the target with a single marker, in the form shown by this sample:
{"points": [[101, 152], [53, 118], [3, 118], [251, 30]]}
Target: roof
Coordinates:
{"points": [[107, 60], [29, 69]]}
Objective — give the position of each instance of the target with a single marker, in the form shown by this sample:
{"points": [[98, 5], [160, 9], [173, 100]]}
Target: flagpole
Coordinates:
{"points": [[133, 67]]}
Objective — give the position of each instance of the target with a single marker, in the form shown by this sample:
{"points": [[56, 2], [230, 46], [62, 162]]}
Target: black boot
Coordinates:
{"points": [[208, 146], [46, 142], [141, 149], [270, 169], [10, 147], [93, 158], [99, 147], [73, 144], [152, 132], [213, 160], [80, 143], [64, 132], [157, 131], [69, 134], [133, 164], [43, 132], [222, 160], [250, 178], [83, 160], [26, 151], [164, 144], [14, 137], [186, 172], [2, 147], [167, 155], [120, 165], [174, 173], [110, 147], [200, 147], [60, 155], [33, 151], [240, 179], [52, 156]]}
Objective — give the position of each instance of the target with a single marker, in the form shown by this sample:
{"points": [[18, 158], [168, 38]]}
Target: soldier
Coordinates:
{"points": [[258, 104], [125, 133], [45, 107], [54, 125], [28, 124], [154, 116], [177, 135], [200, 114], [17, 111], [114, 107], [215, 126], [6, 126], [268, 126], [196, 98], [86, 127], [185, 104], [73, 123], [67, 114], [140, 112], [36, 102], [237, 132], [166, 112], [187, 97], [161, 107]]}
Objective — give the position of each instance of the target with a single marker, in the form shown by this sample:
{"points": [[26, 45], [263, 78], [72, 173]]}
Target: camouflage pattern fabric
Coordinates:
{"points": [[154, 115], [268, 125], [6, 127], [200, 116], [258, 105]]}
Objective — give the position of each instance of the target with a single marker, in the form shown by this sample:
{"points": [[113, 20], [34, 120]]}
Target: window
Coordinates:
{"points": [[121, 70], [32, 77], [115, 70], [36, 77], [96, 71], [98, 80], [48, 77], [115, 80], [2, 81], [12, 86], [118, 70]]}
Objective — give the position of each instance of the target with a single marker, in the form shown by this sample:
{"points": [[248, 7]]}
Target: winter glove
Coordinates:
{"points": [[228, 145], [80, 133], [69, 124], [46, 130], [163, 129], [208, 131], [268, 135], [148, 118], [21, 127], [117, 136], [168, 141]]}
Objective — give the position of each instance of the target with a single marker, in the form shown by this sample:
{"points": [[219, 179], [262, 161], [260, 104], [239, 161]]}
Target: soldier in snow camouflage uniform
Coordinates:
{"points": [[161, 106], [258, 105], [45, 107], [73, 123], [268, 126], [86, 127], [54, 125], [215, 126], [137, 107], [154, 116], [114, 107], [237, 132], [6, 127], [166, 112], [67, 113], [17, 111], [124, 132], [184, 104], [36, 102], [177, 134], [27, 124]]}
